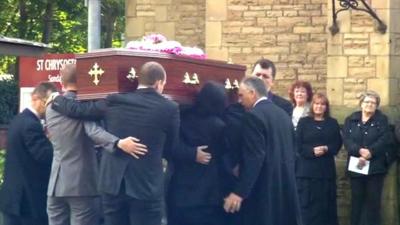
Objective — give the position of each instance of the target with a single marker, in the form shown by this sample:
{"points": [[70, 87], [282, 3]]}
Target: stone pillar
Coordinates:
{"points": [[360, 58], [216, 13]]}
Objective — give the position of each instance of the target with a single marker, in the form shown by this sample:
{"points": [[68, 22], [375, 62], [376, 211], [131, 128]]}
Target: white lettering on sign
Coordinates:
{"points": [[55, 78], [53, 64]]}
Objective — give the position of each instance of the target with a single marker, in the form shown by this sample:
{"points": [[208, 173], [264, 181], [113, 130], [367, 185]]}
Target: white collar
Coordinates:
{"points": [[141, 86], [259, 100]]}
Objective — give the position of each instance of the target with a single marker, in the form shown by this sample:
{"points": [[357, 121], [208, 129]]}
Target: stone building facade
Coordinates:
{"points": [[295, 35]]}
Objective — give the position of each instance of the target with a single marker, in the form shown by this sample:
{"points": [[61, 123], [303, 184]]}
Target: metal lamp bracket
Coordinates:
{"points": [[354, 5]]}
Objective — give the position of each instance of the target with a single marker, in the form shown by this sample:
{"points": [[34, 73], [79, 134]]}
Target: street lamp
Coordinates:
{"points": [[354, 4]]}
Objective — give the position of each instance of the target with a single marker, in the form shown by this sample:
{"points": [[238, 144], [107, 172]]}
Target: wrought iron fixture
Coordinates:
{"points": [[354, 4]]}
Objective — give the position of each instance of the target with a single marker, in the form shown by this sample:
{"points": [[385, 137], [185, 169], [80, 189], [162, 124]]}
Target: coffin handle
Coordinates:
{"points": [[194, 80], [228, 84], [231, 85], [132, 75]]}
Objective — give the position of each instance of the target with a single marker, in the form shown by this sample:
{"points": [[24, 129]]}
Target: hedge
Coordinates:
{"points": [[8, 100]]}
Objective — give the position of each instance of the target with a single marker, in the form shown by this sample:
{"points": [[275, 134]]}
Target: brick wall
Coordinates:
{"points": [[290, 33], [180, 20]]}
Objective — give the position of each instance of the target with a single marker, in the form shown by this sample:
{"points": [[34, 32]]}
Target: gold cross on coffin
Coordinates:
{"points": [[96, 72]]}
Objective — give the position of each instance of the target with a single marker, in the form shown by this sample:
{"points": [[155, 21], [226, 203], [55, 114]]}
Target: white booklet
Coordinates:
{"points": [[353, 166]]}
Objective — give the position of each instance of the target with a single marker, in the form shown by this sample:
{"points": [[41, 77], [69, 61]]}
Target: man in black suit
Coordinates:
{"points": [[133, 189], [233, 116], [265, 69], [266, 183], [27, 165]]}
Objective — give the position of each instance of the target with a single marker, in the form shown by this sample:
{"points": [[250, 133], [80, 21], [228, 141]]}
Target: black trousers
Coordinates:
{"points": [[9, 219], [366, 193], [317, 198], [197, 215], [122, 209]]}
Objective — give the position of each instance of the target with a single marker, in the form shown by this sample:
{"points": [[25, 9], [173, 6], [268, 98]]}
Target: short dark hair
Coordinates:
{"points": [[255, 84], [150, 73], [266, 64], [43, 90], [68, 74], [299, 84], [320, 96]]}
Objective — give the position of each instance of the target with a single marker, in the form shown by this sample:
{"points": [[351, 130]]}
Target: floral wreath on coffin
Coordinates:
{"points": [[159, 43]]}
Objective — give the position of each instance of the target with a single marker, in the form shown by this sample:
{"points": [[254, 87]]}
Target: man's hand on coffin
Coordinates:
{"points": [[203, 157], [132, 146]]}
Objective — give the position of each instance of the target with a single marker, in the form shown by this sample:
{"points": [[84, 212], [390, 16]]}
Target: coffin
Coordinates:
{"points": [[108, 71]]}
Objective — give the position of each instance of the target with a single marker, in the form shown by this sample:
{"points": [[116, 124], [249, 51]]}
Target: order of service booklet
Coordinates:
{"points": [[353, 166]]}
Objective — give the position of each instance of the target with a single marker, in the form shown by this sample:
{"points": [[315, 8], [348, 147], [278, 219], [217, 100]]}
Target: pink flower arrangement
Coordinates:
{"points": [[159, 43]]}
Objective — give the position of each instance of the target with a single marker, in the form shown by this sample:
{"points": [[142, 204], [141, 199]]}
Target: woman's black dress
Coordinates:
{"points": [[316, 176]]}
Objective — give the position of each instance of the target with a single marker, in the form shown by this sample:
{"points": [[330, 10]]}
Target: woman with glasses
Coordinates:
{"points": [[300, 94], [367, 139], [318, 141]]}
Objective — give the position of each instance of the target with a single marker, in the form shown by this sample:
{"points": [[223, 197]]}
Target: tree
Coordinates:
{"points": [[8, 100], [62, 24], [112, 22]]}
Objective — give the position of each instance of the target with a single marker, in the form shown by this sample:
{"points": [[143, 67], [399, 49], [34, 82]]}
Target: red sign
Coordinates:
{"points": [[33, 70]]}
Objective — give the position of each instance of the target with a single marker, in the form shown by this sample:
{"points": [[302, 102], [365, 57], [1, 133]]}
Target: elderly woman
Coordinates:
{"points": [[367, 137], [318, 141], [300, 94]]}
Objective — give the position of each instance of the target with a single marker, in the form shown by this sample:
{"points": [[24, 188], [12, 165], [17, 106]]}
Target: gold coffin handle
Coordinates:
{"points": [[132, 75], [194, 80], [231, 85]]}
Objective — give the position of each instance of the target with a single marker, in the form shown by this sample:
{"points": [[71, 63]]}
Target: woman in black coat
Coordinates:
{"points": [[318, 140], [195, 195], [367, 137]]}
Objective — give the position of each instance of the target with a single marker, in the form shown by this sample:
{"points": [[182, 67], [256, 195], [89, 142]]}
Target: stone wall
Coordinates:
{"points": [[291, 33], [294, 34], [180, 20], [360, 58]]}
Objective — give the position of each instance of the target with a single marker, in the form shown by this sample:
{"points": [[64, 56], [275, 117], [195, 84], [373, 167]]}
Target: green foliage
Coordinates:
{"points": [[8, 100], [64, 22], [2, 159], [7, 64]]}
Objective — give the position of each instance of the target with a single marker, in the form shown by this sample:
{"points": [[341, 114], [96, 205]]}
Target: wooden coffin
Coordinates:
{"points": [[110, 71]]}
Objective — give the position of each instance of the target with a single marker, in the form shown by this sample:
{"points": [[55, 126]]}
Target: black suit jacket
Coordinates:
{"points": [[144, 114], [282, 103], [27, 168], [267, 176]]}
